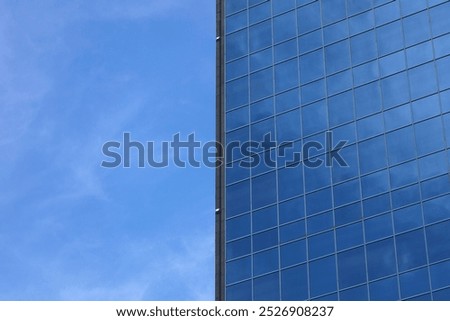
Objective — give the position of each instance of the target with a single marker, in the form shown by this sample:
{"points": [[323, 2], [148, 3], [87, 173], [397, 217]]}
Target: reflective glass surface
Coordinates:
{"points": [[375, 74]]}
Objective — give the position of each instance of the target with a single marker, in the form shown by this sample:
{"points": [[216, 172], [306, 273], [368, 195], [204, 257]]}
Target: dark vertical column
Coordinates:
{"points": [[220, 185]]}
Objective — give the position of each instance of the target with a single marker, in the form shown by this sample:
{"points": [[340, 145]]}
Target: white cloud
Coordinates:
{"points": [[176, 270]]}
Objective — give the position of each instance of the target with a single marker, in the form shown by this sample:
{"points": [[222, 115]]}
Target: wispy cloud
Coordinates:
{"points": [[175, 269]]}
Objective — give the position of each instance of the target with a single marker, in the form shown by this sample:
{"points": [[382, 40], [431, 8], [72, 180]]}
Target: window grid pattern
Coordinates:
{"points": [[392, 101]]}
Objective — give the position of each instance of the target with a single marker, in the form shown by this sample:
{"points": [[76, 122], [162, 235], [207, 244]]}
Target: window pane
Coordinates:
{"points": [[348, 214], [264, 190], [347, 192], [381, 259], [238, 248], [365, 73], [264, 219], [322, 275], [415, 282], [307, 17], [411, 250], [239, 292], [294, 284], [349, 236], [261, 109], [320, 245], [370, 126], [429, 136], [260, 36], [236, 22], [419, 54], [265, 240], [367, 99], [337, 56], [378, 227], [259, 13], [235, 5], [261, 59], [341, 173], [367, 150], [293, 253], [313, 91], [420, 88], [404, 174], [339, 82], [310, 41], [375, 183], [376, 205], [285, 50], [442, 295], [237, 118], [238, 270], [291, 210], [436, 186], [321, 222], [340, 108], [292, 231], [267, 288], [395, 90], [405, 196], [335, 32], [266, 261], [408, 218], [384, 290], [290, 182], [355, 294], [439, 275], [261, 84], [441, 46], [237, 68], [443, 66], [387, 13], [363, 47], [238, 227], [437, 209], [361, 22], [286, 75], [288, 126], [355, 6], [433, 165], [236, 45], [237, 93], [311, 66], [351, 267], [438, 241], [282, 6], [409, 7], [314, 118], [392, 63], [416, 28], [439, 22], [333, 10], [238, 198], [316, 178], [287, 100], [390, 38], [426, 108], [400, 144], [397, 117], [318, 201]]}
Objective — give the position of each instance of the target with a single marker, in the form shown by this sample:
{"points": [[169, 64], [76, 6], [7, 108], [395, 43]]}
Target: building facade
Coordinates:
{"points": [[300, 215]]}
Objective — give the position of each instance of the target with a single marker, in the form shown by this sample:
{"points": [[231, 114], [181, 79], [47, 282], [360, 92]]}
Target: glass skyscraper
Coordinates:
{"points": [[294, 222]]}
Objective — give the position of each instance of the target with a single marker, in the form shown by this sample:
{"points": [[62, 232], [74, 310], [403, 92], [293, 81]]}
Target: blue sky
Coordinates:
{"points": [[74, 75]]}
